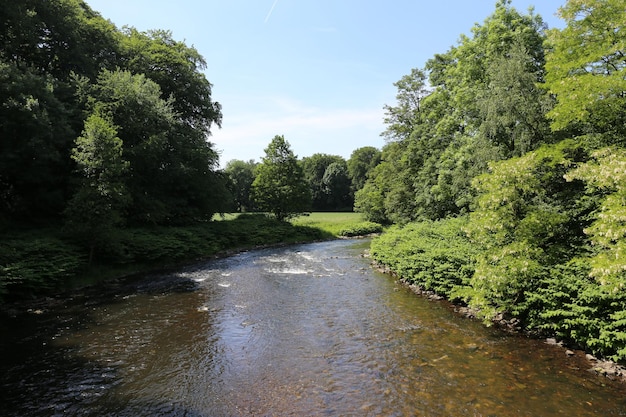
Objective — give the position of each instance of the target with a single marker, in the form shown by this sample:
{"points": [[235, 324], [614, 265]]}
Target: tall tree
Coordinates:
{"points": [[97, 207], [402, 119], [336, 185], [172, 174], [279, 187], [177, 69], [586, 70]]}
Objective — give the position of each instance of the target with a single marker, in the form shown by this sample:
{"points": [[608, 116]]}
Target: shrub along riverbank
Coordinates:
{"points": [[40, 262], [559, 300]]}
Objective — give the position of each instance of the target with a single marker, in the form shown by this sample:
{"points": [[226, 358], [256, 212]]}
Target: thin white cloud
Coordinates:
{"points": [[270, 12], [308, 129]]}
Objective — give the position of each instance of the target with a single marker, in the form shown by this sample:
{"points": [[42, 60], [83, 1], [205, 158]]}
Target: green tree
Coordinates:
{"points": [[280, 187], [336, 185], [178, 70], [241, 175], [361, 162], [173, 169], [527, 219], [36, 133], [98, 205], [586, 70], [314, 167], [512, 105], [402, 119]]}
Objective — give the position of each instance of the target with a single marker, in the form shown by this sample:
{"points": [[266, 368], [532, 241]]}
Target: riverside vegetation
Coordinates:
{"points": [[505, 175]]}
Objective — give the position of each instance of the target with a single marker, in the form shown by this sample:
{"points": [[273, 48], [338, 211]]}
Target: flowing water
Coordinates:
{"points": [[307, 330]]}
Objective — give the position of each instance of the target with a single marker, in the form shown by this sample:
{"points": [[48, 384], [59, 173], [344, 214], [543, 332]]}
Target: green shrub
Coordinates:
{"points": [[30, 265], [361, 229], [435, 255]]}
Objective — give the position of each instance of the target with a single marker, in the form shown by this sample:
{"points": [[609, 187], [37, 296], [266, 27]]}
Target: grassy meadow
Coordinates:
{"points": [[340, 224]]}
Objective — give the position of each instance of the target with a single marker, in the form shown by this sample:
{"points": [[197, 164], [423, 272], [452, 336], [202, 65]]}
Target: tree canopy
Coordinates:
{"points": [[280, 187], [61, 65]]}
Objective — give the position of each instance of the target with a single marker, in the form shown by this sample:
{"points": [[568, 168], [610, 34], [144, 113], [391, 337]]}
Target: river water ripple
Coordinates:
{"points": [[308, 330]]}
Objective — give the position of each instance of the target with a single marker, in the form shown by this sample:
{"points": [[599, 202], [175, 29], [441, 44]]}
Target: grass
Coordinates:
{"points": [[338, 223]]}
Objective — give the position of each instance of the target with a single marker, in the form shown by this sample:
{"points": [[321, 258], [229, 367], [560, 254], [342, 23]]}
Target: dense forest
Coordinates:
{"points": [[504, 172]]}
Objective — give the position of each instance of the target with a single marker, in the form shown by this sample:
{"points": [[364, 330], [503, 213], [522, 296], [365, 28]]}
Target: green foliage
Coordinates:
{"points": [[521, 224], [34, 264], [483, 105], [280, 187], [436, 256], [36, 132], [325, 196], [402, 119], [607, 172], [570, 305], [361, 229], [241, 176], [586, 69], [61, 62], [361, 162], [97, 207], [336, 186]]}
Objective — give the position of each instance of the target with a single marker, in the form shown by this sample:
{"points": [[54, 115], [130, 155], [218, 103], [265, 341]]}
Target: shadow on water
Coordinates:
{"points": [[42, 375], [304, 330]]}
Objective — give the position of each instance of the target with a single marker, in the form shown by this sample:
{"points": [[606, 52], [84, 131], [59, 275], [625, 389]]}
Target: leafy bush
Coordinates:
{"points": [[34, 264], [435, 255], [361, 229]]}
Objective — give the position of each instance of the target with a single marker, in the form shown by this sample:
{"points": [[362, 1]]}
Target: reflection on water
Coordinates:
{"points": [[305, 330]]}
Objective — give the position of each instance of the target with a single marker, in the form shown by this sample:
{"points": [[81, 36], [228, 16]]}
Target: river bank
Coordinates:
{"points": [[600, 366]]}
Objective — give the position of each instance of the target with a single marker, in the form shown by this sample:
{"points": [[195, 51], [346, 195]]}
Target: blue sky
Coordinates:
{"points": [[316, 71]]}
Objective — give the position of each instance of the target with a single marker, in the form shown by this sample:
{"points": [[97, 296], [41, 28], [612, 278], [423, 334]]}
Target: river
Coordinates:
{"points": [[307, 330]]}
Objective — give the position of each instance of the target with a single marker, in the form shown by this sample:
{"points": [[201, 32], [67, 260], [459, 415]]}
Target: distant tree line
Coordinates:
{"points": [[325, 182]]}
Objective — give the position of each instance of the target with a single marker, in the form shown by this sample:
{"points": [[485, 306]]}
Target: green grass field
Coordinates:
{"points": [[338, 223]]}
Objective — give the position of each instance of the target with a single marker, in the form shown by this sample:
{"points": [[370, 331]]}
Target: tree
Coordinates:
{"points": [[513, 106], [402, 118], [97, 207], [606, 173], [172, 175], [361, 162], [241, 175], [336, 186], [586, 70], [314, 167], [36, 138], [177, 69], [527, 219], [279, 187]]}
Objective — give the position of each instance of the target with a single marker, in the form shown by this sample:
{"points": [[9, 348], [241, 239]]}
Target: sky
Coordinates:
{"points": [[318, 72]]}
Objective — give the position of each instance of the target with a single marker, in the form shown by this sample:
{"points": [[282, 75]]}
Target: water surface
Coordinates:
{"points": [[301, 330]]}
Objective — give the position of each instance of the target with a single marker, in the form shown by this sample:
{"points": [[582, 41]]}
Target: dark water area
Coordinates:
{"points": [[308, 330]]}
